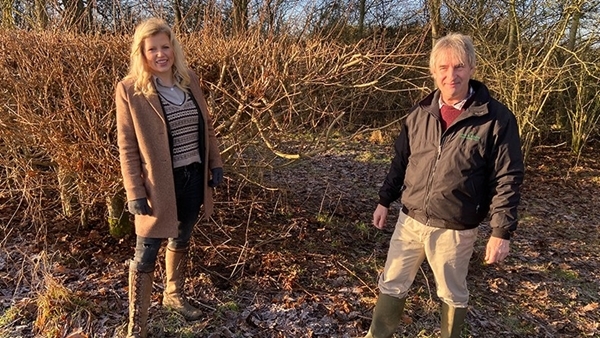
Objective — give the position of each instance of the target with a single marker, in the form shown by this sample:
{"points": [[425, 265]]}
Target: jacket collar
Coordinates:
{"points": [[154, 100], [194, 88], [476, 105]]}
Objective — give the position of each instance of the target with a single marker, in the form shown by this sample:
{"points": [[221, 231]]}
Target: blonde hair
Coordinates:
{"points": [[138, 67], [460, 46]]}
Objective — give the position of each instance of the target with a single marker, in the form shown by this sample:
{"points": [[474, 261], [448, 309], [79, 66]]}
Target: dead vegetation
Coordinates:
{"points": [[302, 261], [290, 252]]}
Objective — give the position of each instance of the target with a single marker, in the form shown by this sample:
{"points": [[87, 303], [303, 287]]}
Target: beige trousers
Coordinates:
{"points": [[447, 251]]}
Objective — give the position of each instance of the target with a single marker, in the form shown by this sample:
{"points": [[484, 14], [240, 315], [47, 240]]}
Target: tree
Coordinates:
{"points": [[361, 17], [177, 13], [513, 30], [239, 16], [76, 15], [435, 9], [8, 20], [579, 10]]}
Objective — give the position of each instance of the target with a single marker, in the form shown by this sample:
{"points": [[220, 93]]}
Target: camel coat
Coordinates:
{"points": [[145, 156]]}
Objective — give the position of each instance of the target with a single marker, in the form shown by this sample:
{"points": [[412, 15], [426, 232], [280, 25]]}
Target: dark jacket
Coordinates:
{"points": [[453, 179]]}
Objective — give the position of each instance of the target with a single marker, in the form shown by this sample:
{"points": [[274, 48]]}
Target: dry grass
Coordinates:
{"points": [[274, 100], [58, 154], [59, 125]]}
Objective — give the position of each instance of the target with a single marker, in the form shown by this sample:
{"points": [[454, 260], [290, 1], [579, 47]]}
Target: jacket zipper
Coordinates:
{"points": [[430, 185], [435, 164]]}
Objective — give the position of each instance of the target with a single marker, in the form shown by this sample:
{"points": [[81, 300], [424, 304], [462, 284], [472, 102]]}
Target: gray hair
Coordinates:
{"points": [[458, 45]]}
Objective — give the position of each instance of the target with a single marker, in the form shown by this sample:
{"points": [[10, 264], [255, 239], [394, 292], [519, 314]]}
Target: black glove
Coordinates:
{"points": [[217, 177], [139, 207]]}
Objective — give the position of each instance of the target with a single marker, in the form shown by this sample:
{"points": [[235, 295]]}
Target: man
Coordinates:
{"points": [[458, 158]]}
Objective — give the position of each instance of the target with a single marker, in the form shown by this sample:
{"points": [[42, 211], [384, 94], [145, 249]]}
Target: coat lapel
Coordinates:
{"points": [[197, 93], [154, 102]]}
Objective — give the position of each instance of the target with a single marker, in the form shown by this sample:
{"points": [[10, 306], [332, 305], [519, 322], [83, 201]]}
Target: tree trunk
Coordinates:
{"points": [[75, 15], [67, 182], [41, 15], [8, 20], [177, 13], [240, 16], [575, 22], [513, 29], [361, 18], [435, 7], [119, 224]]}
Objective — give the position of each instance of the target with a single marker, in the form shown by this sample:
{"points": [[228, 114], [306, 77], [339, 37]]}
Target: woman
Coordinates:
{"points": [[166, 145]]}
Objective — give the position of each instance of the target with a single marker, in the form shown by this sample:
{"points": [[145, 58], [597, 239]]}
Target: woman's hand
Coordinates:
{"points": [[139, 207], [217, 177]]}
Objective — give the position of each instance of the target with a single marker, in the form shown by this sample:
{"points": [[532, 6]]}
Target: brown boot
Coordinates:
{"points": [[173, 297], [386, 316], [140, 289], [453, 319]]}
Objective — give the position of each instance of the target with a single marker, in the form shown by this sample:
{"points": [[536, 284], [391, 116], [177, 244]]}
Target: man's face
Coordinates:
{"points": [[452, 77]]}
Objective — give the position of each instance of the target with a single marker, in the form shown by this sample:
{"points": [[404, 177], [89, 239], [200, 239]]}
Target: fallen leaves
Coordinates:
{"points": [[590, 307], [302, 261]]}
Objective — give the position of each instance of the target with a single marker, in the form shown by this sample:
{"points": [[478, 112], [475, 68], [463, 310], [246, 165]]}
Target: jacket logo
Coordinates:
{"points": [[469, 136]]}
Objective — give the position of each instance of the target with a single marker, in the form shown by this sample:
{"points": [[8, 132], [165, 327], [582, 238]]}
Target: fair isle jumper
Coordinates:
{"points": [[183, 125]]}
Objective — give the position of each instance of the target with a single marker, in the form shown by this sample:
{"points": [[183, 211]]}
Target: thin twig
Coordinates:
{"points": [[375, 293]]}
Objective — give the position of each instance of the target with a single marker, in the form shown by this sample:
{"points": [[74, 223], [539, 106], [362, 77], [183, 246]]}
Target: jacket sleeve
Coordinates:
{"points": [[506, 178], [129, 153], [391, 189], [214, 154]]}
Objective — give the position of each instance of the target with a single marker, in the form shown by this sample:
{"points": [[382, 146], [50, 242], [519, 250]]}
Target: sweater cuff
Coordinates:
{"points": [[501, 233]]}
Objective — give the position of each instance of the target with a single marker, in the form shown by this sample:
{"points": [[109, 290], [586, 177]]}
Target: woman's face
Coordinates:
{"points": [[158, 52]]}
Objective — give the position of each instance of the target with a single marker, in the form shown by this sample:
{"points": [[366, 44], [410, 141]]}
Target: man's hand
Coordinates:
{"points": [[379, 216], [496, 250]]}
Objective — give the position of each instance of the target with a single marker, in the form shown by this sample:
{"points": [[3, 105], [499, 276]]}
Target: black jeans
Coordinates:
{"points": [[189, 193]]}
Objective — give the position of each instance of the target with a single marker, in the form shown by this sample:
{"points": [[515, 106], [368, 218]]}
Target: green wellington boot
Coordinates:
{"points": [[453, 319], [386, 316]]}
